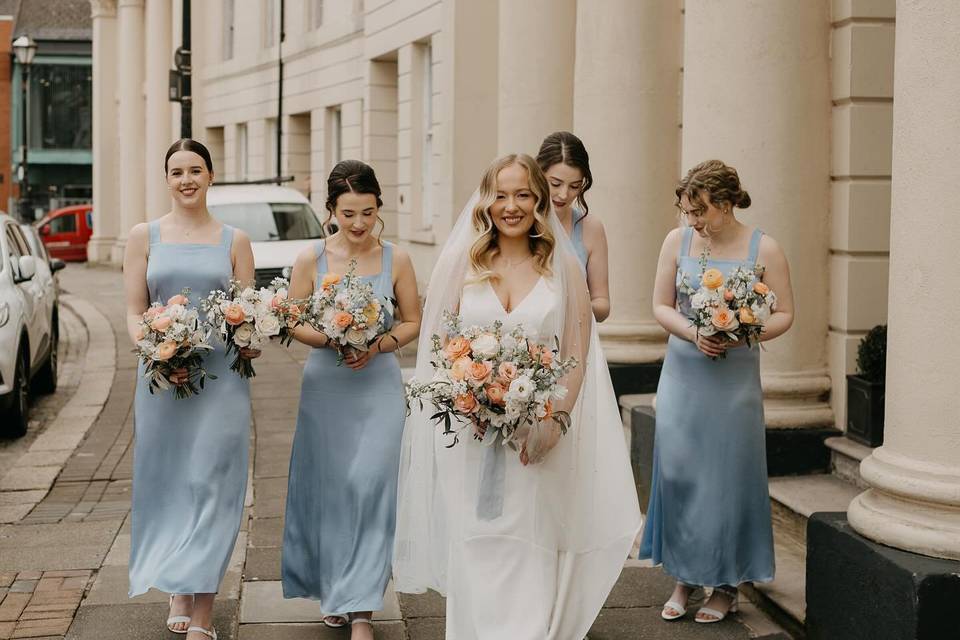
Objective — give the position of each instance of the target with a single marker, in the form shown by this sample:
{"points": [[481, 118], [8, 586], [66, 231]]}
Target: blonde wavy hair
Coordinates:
{"points": [[486, 246]]}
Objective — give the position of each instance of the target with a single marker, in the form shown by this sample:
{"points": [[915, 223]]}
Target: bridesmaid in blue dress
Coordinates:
{"points": [[566, 164], [190, 455], [708, 520], [341, 498]]}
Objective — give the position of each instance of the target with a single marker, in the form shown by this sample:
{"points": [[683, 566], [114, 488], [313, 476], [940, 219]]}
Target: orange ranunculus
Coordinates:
{"points": [[460, 368], [466, 403], [178, 299], [329, 279], [165, 350], [507, 370], [712, 279], [479, 372], [342, 319], [234, 315], [724, 319], [761, 288], [161, 324], [746, 316], [495, 392], [541, 353], [728, 295], [457, 348]]}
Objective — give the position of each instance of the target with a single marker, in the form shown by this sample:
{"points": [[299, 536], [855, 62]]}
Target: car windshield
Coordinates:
{"points": [[267, 222]]}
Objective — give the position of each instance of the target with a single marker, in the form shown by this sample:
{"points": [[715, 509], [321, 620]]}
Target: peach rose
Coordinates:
{"points": [[507, 370], [329, 279], [161, 324], [728, 295], [762, 289], [495, 392], [153, 312], [165, 350], [541, 353], [724, 319], [277, 301], [457, 348], [479, 372], [234, 315], [466, 403], [293, 315], [460, 368], [178, 299], [712, 279], [746, 316], [342, 319]]}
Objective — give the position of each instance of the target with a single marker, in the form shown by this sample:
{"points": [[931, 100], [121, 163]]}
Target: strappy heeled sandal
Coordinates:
{"points": [[328, 620], [718, 616], [210, 633], [172, 620], [681, 609]]}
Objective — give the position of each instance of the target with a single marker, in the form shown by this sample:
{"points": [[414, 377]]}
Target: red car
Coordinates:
{"points": [[66, 231]]}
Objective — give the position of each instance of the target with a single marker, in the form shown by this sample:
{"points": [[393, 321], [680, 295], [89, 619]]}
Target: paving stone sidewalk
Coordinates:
{"points": [[63, 565]]}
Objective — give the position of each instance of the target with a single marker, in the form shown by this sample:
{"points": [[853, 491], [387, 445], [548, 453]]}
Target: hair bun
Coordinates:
{"points": [[743, 201]]}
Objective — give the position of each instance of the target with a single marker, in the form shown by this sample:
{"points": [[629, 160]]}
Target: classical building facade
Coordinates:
{"points": [[797, 94]]}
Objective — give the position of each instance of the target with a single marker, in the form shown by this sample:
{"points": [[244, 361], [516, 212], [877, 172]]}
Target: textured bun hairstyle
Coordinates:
{"points": [[562, 147], [189, 144], [717, 181]]}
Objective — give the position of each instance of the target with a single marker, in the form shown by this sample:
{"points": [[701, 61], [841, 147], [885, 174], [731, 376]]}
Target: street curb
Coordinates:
{"points": [[26, 484]]}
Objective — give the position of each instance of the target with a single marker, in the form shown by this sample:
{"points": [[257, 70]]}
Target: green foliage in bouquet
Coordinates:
{"points": [[872, 355]]}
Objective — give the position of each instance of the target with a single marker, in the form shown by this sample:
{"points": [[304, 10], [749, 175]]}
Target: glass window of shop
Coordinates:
{"points": [[61, 107]]}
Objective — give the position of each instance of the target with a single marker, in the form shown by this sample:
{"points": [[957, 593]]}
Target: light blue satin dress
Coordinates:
{"points": [[190, 455], [342, 491], [576, 237], [708, 520]]}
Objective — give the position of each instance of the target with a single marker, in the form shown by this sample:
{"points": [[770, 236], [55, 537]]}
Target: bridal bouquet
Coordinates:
{"points": [[486, 377], [347, 310], [735, 307], [247, 317], [169, 337]]}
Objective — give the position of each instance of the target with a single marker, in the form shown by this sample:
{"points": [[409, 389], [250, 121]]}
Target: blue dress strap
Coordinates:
{"points": [[754, 246], [386, 264], [154, 227], [226, 237], [320, 248], [685, 242]]}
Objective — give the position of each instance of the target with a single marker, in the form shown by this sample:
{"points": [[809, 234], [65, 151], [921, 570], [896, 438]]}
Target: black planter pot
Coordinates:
{"points": [[865, 410]]}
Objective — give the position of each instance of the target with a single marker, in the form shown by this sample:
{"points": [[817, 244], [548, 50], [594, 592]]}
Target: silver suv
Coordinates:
{"points": [[28, 325]]}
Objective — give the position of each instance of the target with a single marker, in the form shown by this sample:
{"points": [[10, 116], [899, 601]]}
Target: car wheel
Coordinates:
{"points": [[15, 420], [46, 379]]}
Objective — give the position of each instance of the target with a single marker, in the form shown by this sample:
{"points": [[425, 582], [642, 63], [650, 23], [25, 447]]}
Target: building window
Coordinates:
{"points": [[270, 162], [270, 9], [243, 160], [60, 103], [229, 24], [426, 157], [335, 138]]}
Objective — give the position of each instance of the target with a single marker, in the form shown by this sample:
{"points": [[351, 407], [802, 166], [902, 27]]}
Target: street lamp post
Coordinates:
{"points": [[24, 48]]}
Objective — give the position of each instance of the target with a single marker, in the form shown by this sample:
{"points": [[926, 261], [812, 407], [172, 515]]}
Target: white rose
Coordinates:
{"points": [[268, 325], [485, 345], [356, 339], [242, 334]]}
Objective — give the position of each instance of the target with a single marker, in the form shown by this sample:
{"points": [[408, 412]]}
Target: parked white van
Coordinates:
{"points": [[279, 221]]}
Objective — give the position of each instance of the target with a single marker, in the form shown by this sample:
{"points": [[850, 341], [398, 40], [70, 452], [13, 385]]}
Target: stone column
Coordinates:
{"points": [[914, 502], [629, 123], [756, 95], [106, 214], [159, 58], [536, 62], [131, 120]]}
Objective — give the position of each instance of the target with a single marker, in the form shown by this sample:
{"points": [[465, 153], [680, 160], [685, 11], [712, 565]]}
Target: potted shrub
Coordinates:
{"points": [[866, 389]]}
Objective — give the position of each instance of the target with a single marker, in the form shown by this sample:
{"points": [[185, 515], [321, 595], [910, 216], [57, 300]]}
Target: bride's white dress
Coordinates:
{"points": [[535, 550]]}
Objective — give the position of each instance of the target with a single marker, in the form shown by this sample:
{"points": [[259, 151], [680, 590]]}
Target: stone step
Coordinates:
{"points": [[793, 499], [784, 599], [845, 458]]}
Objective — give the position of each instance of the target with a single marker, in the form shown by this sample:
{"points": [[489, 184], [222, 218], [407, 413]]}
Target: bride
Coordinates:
{"points": [[525, 545]]}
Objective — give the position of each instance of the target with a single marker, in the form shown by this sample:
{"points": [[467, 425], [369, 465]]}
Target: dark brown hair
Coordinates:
{"points": [[189, 144], [717, 181], [564, 147]]}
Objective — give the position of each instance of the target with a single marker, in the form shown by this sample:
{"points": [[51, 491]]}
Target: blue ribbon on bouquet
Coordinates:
{"points": [[493, 475]]}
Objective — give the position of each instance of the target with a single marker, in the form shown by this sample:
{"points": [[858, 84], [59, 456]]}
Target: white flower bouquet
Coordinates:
{"points": [[484, 377], [736, 307], [246, 317], [169, 337], [347, 311]]}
